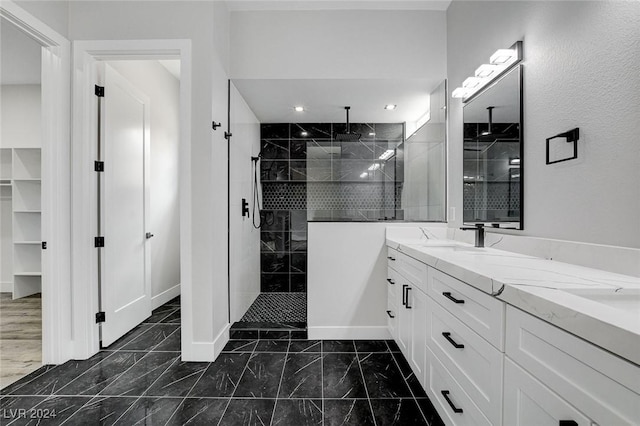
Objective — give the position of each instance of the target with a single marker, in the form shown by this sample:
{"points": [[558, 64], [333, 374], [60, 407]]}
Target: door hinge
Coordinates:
{"points": [[99, 91], [99, 242], [215, 125], [98, 166], [44, 245], [100, 317], [227, 135]]}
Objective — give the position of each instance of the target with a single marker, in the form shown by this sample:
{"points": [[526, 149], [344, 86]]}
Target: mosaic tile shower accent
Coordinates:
{"points": [[502, 199], [277, 308], [305, 173]]}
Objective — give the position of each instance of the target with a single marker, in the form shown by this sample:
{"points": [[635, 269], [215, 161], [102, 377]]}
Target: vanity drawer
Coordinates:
{"points": [[484, 314], [412, 270], [477, 365], [392, 280], [527, 402], [452, 403], [601, 385], [392, 258]]}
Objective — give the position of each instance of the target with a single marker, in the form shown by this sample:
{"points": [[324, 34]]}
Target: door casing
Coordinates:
{"points": [[86, 55]]}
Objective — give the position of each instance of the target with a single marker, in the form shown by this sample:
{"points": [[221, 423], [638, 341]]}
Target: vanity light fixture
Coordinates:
{"points": [[471, 82], [299, 108], [485, 70], [501, 56], [499, 63], [390, 107], [375, 166], [387, 154]]}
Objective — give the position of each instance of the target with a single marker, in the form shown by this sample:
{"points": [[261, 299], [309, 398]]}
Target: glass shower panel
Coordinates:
{"points": [[423, 159]]}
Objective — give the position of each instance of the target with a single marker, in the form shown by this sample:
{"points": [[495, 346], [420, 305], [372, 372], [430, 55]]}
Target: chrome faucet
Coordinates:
{"points": [[479, 228]]}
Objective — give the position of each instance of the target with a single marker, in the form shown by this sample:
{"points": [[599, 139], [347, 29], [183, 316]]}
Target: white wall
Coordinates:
{"points": [[163, 90], [244, 247], [580, 70], [346, 44], [346, 288], [52, 12], [20, 122]]}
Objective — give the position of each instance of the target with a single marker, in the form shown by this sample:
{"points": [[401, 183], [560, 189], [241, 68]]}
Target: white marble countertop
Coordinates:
{"points": [[598, 306]]}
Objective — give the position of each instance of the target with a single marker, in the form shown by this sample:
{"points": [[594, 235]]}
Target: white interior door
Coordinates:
{"points": [[125, 259]]}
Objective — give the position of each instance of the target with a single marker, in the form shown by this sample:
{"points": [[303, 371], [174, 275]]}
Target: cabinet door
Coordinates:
{"points": [[404, 318], [417, 302], [527, 402]]}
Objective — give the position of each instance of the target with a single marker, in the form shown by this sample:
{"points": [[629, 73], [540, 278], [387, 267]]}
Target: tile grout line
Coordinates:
{"points": [[364, 384], [204, 370], [322, 379], [146, 353], [237, 384], [424, 416], [284, 366], [120, 396]]}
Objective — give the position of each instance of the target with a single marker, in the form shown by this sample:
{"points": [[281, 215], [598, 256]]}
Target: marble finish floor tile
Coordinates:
{"points": [[271, 377]]}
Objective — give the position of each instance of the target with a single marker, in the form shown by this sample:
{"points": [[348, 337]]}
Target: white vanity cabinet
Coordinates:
{"points": [[482, 361], [570, 373], [409, 298]]}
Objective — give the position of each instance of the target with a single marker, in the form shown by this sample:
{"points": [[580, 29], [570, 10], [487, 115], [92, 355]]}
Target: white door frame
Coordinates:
{"points": [[56, 194], [84, 182]]}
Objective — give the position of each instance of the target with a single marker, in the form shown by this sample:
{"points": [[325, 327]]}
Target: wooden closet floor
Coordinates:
{"points": [[20, 337]]}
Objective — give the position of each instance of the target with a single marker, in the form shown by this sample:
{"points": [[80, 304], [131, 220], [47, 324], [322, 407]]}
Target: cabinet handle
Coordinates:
{"points": [[390, 316], [448, 295], [455, 409], [391, 281], [568, 423], [407, 305], [447, 336], [404, 294], [391, 258]]}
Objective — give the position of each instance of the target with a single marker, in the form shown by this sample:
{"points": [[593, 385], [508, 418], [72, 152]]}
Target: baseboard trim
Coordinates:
{"points": [[208, 351], [162, 298], [352, 333], [6, 287]]}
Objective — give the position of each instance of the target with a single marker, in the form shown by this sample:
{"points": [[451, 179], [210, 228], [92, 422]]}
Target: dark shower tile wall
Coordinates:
{"points": [[305, 171]]}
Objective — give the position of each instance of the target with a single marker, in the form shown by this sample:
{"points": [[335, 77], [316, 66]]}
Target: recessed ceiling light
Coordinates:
{"points": [[298, 108], [387, 154], [304, 133], [374, 166], [390, 106], [364, 175], [372, 134]]}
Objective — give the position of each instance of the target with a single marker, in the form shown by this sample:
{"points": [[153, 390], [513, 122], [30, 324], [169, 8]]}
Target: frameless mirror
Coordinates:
{"points": [[492, 147]]}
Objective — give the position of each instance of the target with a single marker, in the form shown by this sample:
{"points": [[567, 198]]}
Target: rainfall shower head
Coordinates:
{"points": [[348, 136]]}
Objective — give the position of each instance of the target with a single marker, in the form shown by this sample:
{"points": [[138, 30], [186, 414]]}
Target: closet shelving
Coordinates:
{"points": [[21, 180]]}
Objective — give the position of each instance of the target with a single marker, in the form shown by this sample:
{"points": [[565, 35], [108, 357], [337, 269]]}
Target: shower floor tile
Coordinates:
{"points": [[278, 308]]}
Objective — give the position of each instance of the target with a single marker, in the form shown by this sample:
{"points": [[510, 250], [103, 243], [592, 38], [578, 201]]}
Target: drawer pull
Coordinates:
{"points": [[391, 258], [404, 294], [568, 423], [391, 281], [390, 316], [448, 295], [407, 305], [455, 409], [447, 336]]}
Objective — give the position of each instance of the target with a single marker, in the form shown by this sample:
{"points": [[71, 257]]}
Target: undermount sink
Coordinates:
{"points": [[624, 299]]}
